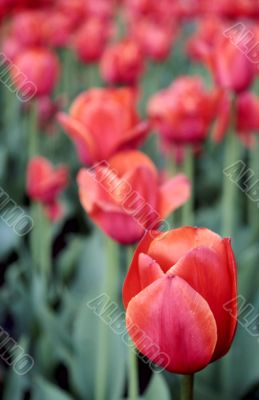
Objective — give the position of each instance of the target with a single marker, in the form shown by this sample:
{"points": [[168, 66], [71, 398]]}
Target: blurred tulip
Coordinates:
{"points": [[202, 42], [155, 39], [45, 183], [230, 67], [91, 38], [27, 28], [184, 112], [124, 196], [181, 292], [39, 66], [245, 116], [122, 63], [103, 121]]}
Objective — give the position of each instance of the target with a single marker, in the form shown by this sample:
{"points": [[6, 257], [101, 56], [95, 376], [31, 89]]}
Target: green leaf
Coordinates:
{"points": [[157, 389], [44, 390]]}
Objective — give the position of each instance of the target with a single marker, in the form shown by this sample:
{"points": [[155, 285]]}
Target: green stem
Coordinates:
{"points": [[187, 387], [229, 198], [109, 288], [187, 210], [33, 130], [252, 207], [133, 361]]}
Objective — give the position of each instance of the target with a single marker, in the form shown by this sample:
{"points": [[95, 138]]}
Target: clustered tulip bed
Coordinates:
{"points": [[129, 199]]}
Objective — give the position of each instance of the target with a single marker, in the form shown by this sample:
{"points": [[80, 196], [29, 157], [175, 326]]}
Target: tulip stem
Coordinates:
{"points": [[187, 210], [110, 289], [229, 196], [133, 362], [33, 130], [252, 209], [187, 387]]}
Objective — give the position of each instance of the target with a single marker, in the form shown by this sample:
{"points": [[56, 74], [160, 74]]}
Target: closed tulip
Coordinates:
{"points": [[102, 122], [230, 67], [124, 197], [122, 63], [90, 40], [39, 66], [45, 183], [180, 296]]}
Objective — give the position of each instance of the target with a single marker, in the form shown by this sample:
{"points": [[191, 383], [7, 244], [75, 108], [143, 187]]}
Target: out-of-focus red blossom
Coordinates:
{"points": [[11, 48], [181, 290], [244, 113], [235, 8], [122, 63], [45, 183], [27, 28], [101, 8], [202, 42], [102, 122], [230, 67], [40, 66], [57, 29], [91, 38], [184, 112], [75, 10], [155, 39], [124, 196]]}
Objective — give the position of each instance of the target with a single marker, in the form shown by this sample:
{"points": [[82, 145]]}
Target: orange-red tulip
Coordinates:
{"points": [[103, 121], [45, 183], [184, 112], [122, 63], [39, 66], [180, 294], [124, 197]]}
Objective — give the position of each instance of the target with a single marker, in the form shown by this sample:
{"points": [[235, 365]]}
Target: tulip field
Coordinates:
{"points": [[129, 199]]}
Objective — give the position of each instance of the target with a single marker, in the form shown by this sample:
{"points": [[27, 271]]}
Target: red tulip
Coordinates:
{"points": [[124, 196], [102, 122], [184, 112], [230, 67], [155, 39], [45, 183], [91, 38], [122, 63], [246, 114], [174, 294], [39, 66], [202, 42]]}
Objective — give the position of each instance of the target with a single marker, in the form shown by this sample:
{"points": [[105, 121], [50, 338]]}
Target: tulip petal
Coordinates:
{"points": [[215, 282], [149, 270], [132, 284], [174, 320], [173, 194], [84, 143], [169, 247]]}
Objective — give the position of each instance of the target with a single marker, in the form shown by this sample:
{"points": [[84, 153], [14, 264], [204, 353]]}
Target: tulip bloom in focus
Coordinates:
{"points": [[40, 66], [184, 112], [122, 63], [124, 196], [45, 183], [102, 122], [181, 292]]}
